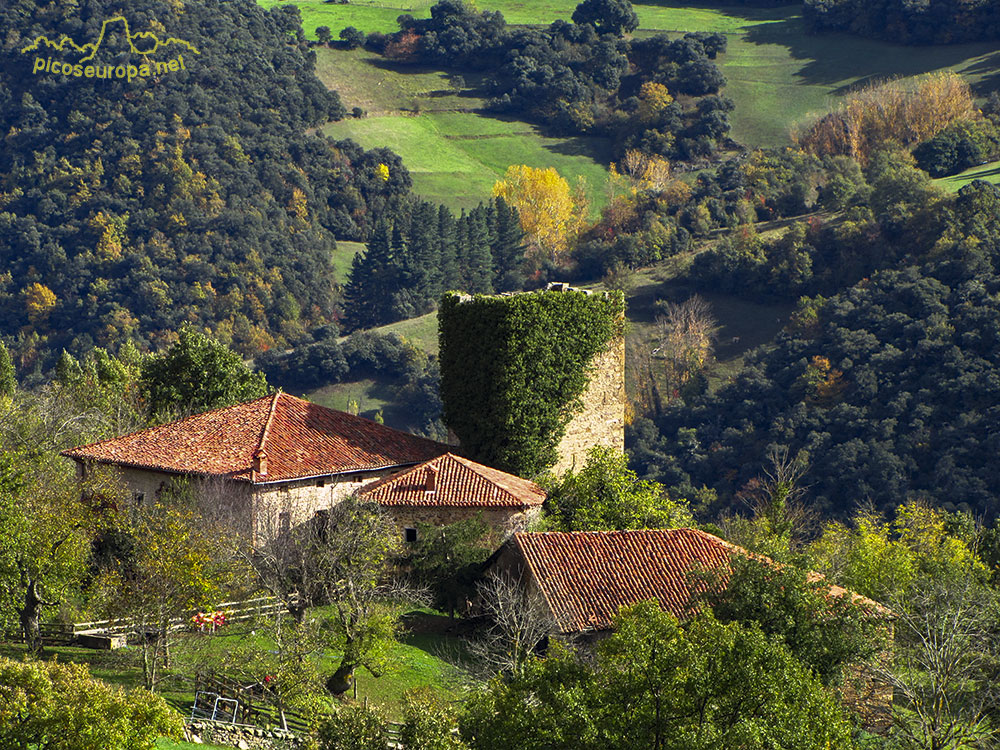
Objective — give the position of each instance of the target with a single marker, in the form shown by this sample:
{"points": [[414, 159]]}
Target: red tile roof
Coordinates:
{"points": [[586, 577], [298, 438], [456, 481]]}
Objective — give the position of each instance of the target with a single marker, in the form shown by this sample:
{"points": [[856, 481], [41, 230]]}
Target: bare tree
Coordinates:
{"points": [[687, 334], [946, 663], [519, 625]]}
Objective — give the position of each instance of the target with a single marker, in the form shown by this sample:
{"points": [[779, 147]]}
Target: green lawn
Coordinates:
{"points": [[988, 172], [343, 256]]}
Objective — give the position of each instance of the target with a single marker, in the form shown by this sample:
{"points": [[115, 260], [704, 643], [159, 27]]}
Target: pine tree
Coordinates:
{"points": [[368, 295], [508, 247], [478, 257], [450, 278]]}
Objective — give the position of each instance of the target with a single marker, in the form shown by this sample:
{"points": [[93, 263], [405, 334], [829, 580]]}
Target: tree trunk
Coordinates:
{"points": [[31, 615], [342, 680]]}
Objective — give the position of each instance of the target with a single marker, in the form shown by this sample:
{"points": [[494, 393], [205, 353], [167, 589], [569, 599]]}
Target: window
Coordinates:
{"points": [[321, 483], [284, 522], [409, 535], [138, 498]]}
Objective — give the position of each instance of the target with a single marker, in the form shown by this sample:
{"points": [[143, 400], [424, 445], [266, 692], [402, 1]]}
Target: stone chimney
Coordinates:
{"points": [[430, 479], [260, 462]]}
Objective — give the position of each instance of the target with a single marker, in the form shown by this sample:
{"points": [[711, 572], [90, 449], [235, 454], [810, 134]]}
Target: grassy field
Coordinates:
{"points": [[454, 152], [988, 172]]}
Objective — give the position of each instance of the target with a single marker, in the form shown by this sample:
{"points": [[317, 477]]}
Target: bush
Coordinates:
{"points": [[354, 728]]}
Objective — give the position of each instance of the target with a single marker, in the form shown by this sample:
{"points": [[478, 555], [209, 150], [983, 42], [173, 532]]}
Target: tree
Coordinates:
{"points": [[447, 560], [351, 37], [519, 624], [687, 333], [659, 685], [606, 495], [544, 204], [53, 706], [323, 34], [946, 663], [607, 16], [198, 373], [173, 560], [825, 631]]}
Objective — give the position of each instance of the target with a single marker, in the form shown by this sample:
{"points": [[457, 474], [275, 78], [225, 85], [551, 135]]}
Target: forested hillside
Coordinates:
{"points": [[130, 206], [890, 389]]}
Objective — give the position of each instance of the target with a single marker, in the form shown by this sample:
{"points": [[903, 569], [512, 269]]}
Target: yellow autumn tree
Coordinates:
{"points": [[39, 301], [546, 205]]}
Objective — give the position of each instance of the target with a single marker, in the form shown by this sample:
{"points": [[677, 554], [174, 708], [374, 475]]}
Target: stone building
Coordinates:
{"points": [[274, 462], [583, 578], [450, 488]]}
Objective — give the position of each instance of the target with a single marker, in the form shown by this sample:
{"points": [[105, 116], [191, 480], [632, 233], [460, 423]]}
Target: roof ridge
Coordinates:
{"points": [[268, 421]]}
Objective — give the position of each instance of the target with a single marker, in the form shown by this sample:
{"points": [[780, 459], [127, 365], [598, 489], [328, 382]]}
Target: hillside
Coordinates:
{"points": [[131, 205]]}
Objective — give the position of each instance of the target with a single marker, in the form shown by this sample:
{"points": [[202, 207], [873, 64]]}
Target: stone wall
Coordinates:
{"points": [[240, 736], [601, 421], [505, 521]]}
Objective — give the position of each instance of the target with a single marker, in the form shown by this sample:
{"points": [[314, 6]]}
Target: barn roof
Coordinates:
{"points": [[586, 577]]}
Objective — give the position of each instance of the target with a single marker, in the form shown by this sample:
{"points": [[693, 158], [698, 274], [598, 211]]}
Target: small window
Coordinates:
{"points": [[321, 483], [138, 498], [409, 535], [285, 522]]}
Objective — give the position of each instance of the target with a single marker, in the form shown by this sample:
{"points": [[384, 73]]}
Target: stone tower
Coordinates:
{"points": [[494, 351]]}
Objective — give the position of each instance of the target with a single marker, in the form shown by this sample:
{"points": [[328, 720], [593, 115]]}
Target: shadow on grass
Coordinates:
{"points": [[832, 57], [742, 12]]}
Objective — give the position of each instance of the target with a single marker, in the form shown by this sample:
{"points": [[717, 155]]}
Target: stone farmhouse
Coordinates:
{"points": [[584, 578], [276, 461]]}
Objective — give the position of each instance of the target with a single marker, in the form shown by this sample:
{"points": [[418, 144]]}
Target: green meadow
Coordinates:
{"points": [[988, 172]]}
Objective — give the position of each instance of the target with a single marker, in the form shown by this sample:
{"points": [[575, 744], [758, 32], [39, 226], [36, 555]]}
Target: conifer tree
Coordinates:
{"points": [[508, 247], [8, 378], [449, 259]]}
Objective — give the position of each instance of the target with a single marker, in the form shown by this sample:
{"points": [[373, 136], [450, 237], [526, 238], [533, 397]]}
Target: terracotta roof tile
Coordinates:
{"points": [[457, 481], [300, 439], [586, 577]]}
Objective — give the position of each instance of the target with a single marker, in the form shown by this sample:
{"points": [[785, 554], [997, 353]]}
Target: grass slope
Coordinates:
{"points": [[453, 151], [988, 172]]}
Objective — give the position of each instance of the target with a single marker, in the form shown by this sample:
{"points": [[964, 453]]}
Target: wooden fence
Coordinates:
{"points": [[65, 633]]}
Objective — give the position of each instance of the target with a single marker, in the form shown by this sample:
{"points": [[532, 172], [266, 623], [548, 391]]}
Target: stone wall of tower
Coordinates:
{"points": [[601, 421]]}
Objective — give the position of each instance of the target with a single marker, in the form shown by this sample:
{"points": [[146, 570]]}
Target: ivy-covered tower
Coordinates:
{"points": [[531, 381]]}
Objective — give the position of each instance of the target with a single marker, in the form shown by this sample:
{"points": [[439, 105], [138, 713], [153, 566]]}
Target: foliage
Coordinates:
{"points": [[887, 561], [429, 723], [959, 146], [531, 353], [578, 80], [946, 661], [409, 263], [932, 22], [607, 16], [825, 631], [354, 728], [196, 374], [659, 685], [47, 517], [447, 560], [606, 495], [544, 204], [131, 207], [175, 560], [53, 706], [867, 120], [874, 432]]}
